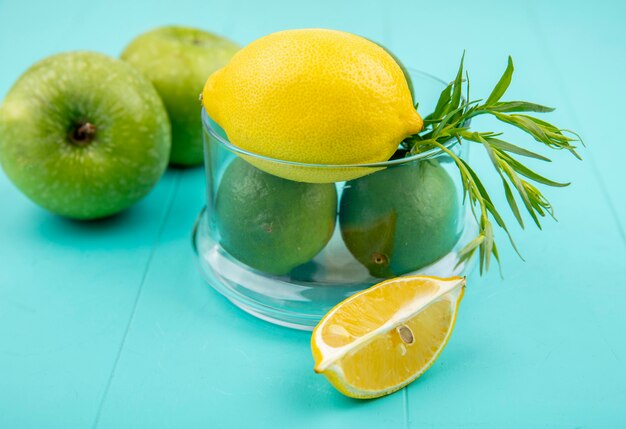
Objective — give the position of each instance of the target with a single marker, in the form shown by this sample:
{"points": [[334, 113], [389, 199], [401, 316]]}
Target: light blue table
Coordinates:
{"points": [[109, 325]]}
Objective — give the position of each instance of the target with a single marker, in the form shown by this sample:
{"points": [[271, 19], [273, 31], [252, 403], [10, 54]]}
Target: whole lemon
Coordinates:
{"points": [[313, 96]]}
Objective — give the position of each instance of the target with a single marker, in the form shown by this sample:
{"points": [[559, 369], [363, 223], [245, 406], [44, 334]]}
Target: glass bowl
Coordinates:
{"points": [[287, 251]]}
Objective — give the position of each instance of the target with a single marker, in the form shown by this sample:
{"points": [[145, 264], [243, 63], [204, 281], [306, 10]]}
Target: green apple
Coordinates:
{"points": [[83, 135], [178, 60]]}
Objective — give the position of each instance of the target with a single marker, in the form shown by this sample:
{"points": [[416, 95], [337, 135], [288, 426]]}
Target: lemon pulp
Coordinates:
{"points": [[383, 338]]}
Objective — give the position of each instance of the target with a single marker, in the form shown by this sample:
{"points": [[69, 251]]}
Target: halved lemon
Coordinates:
{"points": [[381, 339]]}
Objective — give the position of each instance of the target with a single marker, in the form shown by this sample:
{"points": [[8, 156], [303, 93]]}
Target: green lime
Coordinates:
{"points": [[270, 223], [400, 219]]}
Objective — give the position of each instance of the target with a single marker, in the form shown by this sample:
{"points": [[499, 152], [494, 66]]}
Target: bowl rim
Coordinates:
{"points": [[431, 153]]}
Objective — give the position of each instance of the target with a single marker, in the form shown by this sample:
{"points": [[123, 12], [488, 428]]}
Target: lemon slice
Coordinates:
{"points": [[381, 339]]}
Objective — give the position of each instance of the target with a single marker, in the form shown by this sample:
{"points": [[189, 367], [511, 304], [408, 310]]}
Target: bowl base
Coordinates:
{"points": [[293, 303]]}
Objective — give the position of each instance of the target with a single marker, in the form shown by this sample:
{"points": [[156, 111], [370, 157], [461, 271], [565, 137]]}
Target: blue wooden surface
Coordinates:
{"points": [[109, 325]]}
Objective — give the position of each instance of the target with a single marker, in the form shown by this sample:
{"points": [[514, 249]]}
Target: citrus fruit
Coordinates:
{"points": [[405, 71], [383, 338], [272, 224], [313, 96], [400, 219]]}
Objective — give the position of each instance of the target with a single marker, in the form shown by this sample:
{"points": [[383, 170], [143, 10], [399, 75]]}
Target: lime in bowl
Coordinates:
{"points": [[287, 250]]}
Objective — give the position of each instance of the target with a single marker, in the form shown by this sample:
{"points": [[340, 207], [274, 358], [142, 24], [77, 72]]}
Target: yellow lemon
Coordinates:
{"points": [[383, 338], [313, 96]]}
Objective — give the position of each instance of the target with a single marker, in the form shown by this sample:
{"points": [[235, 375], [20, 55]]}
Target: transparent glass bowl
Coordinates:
{"points": [[287, 251]]}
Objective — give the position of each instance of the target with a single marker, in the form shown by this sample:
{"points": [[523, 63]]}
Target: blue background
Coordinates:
{"points": [[109, 325]]}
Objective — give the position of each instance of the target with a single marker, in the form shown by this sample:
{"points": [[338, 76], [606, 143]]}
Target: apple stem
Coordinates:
{"points": [[83, 134]]}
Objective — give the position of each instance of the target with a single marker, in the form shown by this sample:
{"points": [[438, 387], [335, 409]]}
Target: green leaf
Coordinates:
{"points": [[556, 134], [502, 85], [527, 172], [458, 86], [449, 117], [512, 203], [519, 106], [509, 147], [525, 125], [521, 190], [467, 87], [496, 160], [538, 131], [496, 255], [470, 248], [486, 199], [546, 125], [540, 201], [487, 247], [442, 103]]}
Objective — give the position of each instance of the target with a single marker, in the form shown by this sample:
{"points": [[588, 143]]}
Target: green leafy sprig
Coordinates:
{"points": [[451, 121]]}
